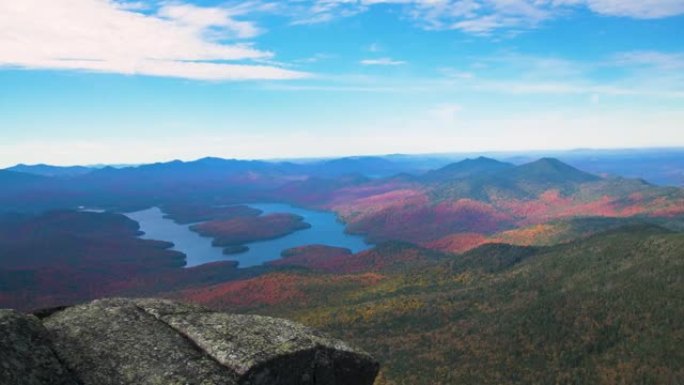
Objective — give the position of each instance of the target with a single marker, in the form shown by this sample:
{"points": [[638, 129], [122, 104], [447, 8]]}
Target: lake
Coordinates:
{"points": [[325, 229]]}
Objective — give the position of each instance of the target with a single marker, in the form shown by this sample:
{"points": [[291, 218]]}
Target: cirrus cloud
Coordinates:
{"points": [[637, 9], [483, 17], [176, 40], [383, 61]]}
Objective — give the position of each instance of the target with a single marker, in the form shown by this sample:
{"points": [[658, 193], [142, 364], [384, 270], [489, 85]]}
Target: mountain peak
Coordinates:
{"points": [[555, 162], [467, 168], [552, 170]]}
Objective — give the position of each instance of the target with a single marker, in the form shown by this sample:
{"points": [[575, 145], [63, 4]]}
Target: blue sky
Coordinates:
{"points": [[98, 81]]}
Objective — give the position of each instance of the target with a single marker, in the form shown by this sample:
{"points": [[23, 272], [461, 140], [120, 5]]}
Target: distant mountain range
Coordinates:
{"points": [[47, 170], [658, 166]]}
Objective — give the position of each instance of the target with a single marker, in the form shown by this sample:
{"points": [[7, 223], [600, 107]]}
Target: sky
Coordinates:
{"points": [[105, 81]]}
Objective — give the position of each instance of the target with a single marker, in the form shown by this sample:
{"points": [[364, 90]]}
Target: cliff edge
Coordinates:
{"points": [[150, 341]]}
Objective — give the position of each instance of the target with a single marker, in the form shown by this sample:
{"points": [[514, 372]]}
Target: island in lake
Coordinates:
{"points": [[240, 230]]}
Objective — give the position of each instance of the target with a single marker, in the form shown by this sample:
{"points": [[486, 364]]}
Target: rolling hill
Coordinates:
{"points": [[602, 310]]}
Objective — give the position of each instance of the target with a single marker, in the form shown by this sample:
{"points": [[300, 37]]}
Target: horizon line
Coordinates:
{"points": [[376, 155]]}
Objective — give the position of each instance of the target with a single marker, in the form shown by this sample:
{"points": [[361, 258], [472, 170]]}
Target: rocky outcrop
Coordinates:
{"points": [[26, 355], [151, 341]]}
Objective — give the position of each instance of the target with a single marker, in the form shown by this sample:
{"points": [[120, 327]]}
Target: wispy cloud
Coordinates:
{"points": [[317, 58], [220, 20], [649, 74], [383, 61], [484, 17], [662, 60], [175, 40], [638, 9], [634, 74]]}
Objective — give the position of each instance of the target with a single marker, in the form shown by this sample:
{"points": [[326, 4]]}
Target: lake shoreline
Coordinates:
{"points": [[326, 228]]}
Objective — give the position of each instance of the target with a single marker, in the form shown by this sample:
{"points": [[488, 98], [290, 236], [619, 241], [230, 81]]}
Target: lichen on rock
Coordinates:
{"points": [[26, 354], [265, 350], [151, 341]]}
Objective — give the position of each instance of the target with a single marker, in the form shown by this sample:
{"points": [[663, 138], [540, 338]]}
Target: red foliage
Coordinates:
{"points": [[458, 243], [269, 289], [551, 205], [248, 229], [355, 193], [309, 256], [377, 259], [473, 215], [411, 217]]}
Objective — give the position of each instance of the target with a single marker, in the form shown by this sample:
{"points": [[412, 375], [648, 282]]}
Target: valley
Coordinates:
{"points": [[480, 271]]}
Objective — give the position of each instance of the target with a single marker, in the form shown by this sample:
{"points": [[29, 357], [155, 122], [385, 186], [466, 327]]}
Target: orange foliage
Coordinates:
{"points": [[457, 243], [248, 229], [482, 215], [347, 194], [526, 236], [266, 289], [370, 260], [309, 256], [367, 206], [269, 289], [550, 205], [410, 216]]}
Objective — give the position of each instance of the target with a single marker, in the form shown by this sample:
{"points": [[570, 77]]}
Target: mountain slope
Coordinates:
{"points": [[526, 181], [10, 178], [549, 170], [603, 310]]}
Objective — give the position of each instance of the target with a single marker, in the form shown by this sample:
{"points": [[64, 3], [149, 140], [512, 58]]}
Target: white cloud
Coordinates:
{"points": [[482, 25], [201, 18], [667, 61], [321, 11], [483, 17], [638, 9], [132, 5], [383, 61], [317, 58], [179, 40], [471, 16]]}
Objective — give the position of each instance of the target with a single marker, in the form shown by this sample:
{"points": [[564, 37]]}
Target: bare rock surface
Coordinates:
{"points": [[26, 354], [114, 342], [151, 341], [264, 350]]}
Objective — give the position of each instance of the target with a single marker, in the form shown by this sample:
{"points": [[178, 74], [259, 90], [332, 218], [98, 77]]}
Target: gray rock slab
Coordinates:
{"points": [[153, 342], [26, 355], [115, 342], [264, 350]]}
